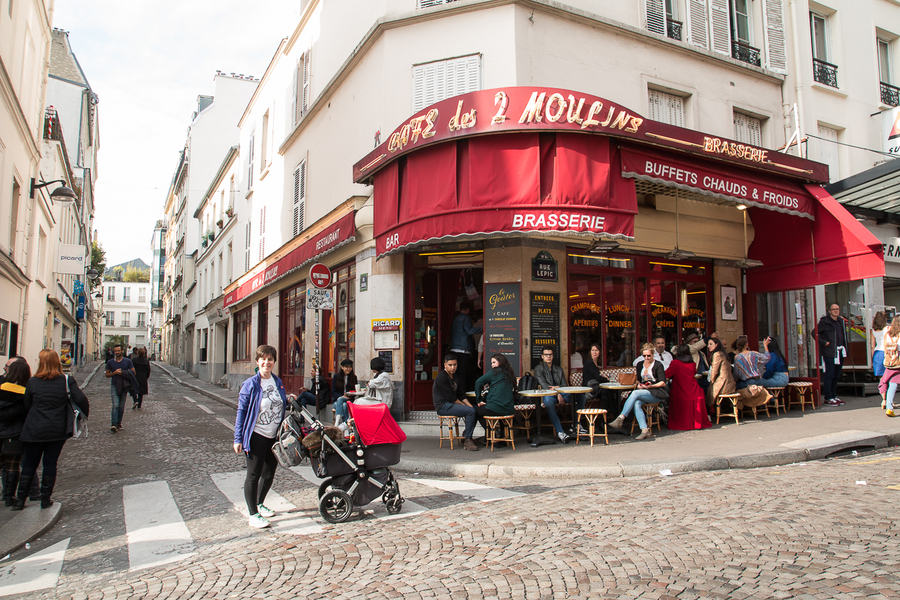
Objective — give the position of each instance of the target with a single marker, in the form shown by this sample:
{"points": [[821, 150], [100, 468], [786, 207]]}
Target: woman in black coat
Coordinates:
{"points": [[12, 419], [48, 425], [142, 374]]}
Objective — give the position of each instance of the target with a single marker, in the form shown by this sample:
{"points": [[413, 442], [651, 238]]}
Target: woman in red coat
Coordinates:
{"points": [[687, 404]]}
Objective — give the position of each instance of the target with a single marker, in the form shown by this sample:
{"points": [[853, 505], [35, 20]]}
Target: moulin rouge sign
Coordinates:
{"points": [[548, 109]]}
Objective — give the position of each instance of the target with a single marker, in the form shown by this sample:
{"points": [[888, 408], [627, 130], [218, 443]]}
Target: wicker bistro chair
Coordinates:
{"points": [[505, 427], [778, 399], [800, 392], [525, 412], [591, 415], [452, 424], [734, 407], [652, 412]]}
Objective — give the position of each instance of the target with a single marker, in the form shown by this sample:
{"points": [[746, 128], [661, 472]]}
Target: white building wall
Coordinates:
{"points": [[137, 336]]}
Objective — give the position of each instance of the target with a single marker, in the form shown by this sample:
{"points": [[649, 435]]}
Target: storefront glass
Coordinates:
{"points": [[789, 318], [850, 296], [293, 325], [344, 330]]}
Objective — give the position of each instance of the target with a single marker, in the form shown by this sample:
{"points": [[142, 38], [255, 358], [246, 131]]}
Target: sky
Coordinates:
{"points": [[148, 62]]}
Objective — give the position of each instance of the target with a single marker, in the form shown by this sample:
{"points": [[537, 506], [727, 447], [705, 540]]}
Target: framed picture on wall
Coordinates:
{"points": [[729, 303]]}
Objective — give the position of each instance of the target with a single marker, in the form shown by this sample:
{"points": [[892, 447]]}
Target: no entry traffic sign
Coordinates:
{"points": [[320, 275]]}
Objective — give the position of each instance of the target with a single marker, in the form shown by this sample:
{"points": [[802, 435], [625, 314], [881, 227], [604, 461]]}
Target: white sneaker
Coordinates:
{"points": [[258, 521], [344, 429], [562, 437], [266, 512]]}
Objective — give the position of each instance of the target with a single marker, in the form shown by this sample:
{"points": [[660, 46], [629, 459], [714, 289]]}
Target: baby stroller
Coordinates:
{"points": [[357, 473]]}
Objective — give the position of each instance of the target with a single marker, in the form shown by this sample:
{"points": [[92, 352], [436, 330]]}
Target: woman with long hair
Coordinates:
{"points": [[48, 425], [380, 389], [687, 408], [748, 364], [776, 373], [501, 381], [12, 419], [652, 389], [142, 374], [891, 377], [721, 379], [876, 342], [591, 371]]}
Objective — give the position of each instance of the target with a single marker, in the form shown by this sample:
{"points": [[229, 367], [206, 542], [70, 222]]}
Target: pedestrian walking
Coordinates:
{"points": [[891, 376], [262, 405], [876, 342], [48, 424], [142, 374], [121, 370], [12, 419]]}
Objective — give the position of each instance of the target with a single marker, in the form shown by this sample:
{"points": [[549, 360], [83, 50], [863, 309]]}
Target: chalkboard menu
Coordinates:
{"points": [[502, 332], [544, 325], [388, 357]]}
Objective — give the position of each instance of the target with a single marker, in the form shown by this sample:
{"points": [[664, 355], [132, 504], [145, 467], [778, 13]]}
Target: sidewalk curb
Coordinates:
{"points": [[35, 522], [87, 381], [222, 399]]}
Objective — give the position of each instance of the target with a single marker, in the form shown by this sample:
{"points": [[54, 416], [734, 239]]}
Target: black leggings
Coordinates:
{"points": [[261, 465]]}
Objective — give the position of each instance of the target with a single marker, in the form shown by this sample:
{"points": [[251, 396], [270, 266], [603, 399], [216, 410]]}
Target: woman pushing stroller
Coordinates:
{"points": [[262, 406]]}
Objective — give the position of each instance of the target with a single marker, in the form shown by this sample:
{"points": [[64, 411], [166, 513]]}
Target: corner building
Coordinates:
{"points": [[577, 172]]}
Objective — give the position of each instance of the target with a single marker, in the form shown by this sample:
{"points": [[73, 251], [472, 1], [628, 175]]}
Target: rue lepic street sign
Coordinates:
{"points": [[319, 299], [320, 275]]}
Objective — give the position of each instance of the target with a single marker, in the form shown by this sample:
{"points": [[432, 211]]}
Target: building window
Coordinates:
{"points": [[661, 18], [890, 94], [262, 233], [747, 129], [126, 319], [111, 293], [203, 343], [828, 151], [299, 207], [435, 81], [142, 295], [14, 217], [823, 71], [345, 305], [250, 147], [141, 319], [666, 108], [264, 147], [111, 318], [242, 320], [126, 294], [293, 324], [300, 99], [262, 329], [740, 33]]}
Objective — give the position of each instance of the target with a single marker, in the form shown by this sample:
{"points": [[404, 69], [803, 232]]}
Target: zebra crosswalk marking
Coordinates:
{"points": [[284, 521], [36, 572], [157, 535], [483, 493], [225, 423], [204, 409]]}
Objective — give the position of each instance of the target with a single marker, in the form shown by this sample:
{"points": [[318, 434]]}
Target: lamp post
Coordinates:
{"points": [[60, 194]]}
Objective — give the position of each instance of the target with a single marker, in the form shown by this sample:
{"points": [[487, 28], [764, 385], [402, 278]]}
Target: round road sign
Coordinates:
{"points": [[320, 275]]}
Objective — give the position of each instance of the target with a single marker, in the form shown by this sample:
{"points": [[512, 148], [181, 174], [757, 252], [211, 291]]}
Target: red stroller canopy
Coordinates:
{"points": [[375, 424]]}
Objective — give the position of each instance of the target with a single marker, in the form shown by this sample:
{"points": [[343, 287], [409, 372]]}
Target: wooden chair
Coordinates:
{"points": [[526, 411], [734, 406], [505, 424], [754, 409], [652, 412], [802, 394], [591, 415], [777, 399], [452, 424]]}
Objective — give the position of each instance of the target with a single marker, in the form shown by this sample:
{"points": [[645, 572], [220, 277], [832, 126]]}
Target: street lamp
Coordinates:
{"points": [[60, 194]]}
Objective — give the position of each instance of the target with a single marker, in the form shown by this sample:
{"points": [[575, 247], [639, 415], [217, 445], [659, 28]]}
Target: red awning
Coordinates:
{"points": [[503, 185], [798, 253], [331, 237]]}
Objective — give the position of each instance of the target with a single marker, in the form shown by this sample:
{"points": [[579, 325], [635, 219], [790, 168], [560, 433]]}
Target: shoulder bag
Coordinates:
{"points": [[79, 419]]}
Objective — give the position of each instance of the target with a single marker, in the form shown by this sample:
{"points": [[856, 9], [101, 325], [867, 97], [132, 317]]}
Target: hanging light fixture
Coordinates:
{"points": [[678, 253]]}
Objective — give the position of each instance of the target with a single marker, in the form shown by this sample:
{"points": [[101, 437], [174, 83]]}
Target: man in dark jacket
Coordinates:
{"points": [[550, 377], [833, 350], [449, 396], [116, 368]]}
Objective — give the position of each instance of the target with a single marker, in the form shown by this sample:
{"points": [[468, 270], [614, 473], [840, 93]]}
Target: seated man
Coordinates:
{"points": [[449, 397], [550, 377]]}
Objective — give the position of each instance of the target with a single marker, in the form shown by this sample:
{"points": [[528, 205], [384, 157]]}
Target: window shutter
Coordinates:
{"points": [[666, 108], [299, 198], [656, 16], [418, 88], [436, 81], [747, 129], [696, 23], [773, 19], [247, 233], [306, 67], [250, 163], [295, 115], [721, 27]]}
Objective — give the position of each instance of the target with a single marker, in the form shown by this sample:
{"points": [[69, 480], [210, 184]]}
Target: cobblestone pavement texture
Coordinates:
{"points": [[810, 530]]}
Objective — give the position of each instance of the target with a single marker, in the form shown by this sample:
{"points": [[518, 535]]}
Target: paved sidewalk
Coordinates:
{"points": [[792, 437]]}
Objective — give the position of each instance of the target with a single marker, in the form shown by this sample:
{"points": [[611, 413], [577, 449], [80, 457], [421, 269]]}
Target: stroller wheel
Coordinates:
{"points": [[336, 506], [323, 487], [394, 505]]}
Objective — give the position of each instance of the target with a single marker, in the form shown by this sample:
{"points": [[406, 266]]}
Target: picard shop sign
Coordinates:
{"points": [[519, 109]]}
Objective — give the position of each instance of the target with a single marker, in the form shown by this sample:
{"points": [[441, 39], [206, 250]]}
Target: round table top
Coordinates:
{"points": [[612, 385], [470, 394], [574, 389], [537, 392], [356, 393]]}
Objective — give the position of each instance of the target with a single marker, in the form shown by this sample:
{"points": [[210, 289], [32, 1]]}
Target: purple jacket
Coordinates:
{"points": [[248, 408]]}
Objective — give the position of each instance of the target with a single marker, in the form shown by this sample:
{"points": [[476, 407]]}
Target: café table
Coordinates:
{"points": [[616, 386], [574, 389], [538, 395]]}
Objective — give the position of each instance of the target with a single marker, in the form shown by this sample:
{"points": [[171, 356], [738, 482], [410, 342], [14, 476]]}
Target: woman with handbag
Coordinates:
{"points": [[891, 377], [12, 419], [652, 389], [48, 424]]}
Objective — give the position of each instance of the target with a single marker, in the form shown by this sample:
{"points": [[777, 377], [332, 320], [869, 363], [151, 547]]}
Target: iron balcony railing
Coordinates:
{"points": [[890, 94], [745, 53], [673, 29], [824, 72]]}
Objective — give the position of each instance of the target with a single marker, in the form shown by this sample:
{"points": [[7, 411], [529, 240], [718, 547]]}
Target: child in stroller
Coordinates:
{"points": [[357, 473]]}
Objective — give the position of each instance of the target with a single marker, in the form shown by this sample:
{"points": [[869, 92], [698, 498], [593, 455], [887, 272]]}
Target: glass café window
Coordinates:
{"points": [[242, 335], [790, 319], [294, 321], [345, 321]]}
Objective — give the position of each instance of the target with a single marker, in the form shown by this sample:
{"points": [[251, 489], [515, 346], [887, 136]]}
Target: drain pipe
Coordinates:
{"points": [[798, 81]]}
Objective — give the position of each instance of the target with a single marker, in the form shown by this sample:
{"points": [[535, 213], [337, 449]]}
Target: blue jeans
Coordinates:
{"points": [[748, 382], [308, 399], [636, 401], [889, 396], [340, 408], [452, 409], [776, 380], [878, 363], [118, 404], [551, 407]]}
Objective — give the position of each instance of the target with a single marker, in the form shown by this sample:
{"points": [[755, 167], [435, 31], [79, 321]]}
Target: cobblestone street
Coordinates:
{"points": [[812, 530]]}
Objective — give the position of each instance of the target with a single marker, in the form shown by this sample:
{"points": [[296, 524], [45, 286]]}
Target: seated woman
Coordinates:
{"points": [[776, 373], [651, 390], [748, 365], [721, 380], [501, 381], [592, 378], [380, 389], [687, 409], [343, 381]]}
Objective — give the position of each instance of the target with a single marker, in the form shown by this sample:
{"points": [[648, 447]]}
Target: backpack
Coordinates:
{"points": [[527, 382]]}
